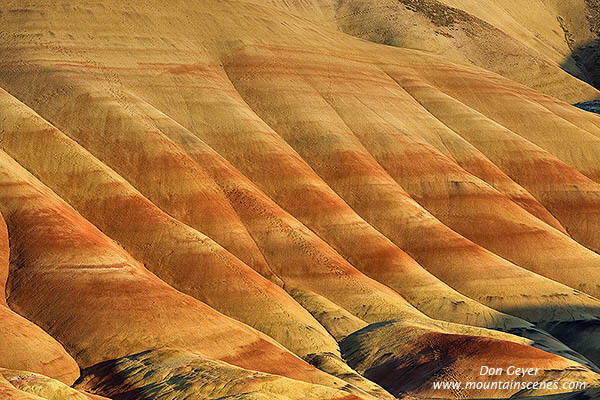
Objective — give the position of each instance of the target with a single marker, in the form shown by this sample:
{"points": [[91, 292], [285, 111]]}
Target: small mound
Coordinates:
{"points": [[177, 374], [338, 322], [405, 358], [334, 365], [28, 385]]}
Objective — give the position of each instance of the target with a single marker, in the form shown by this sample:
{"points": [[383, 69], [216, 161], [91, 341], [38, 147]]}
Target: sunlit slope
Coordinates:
{"points": [[251, 191], [23, 344], [392, 364], [70, 278], [193, 376], [540, 44], [319, 118], [184, 258], [25, 385], [298, 336]]}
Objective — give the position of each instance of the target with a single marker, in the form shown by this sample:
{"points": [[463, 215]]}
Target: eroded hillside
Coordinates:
{"points": [[235, 199]]}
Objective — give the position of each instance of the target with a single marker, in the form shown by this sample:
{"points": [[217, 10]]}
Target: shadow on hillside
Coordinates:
{"points": [[582, 335], [577, 327], [587, 59], [570, 332], [591, 106]]}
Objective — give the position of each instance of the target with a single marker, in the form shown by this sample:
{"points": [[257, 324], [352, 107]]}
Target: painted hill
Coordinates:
{"points": [[229, 198], [23, 385], [23, 344], [549, 45]]}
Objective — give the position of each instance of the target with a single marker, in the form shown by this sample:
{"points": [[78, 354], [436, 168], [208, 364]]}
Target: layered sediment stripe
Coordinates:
{"points": [[181, 256], [143, 375], [568, 194], [102, 122], [292, 251], [23, 345], [218, 116], [392, 364], [26, 385], [309, 124], [520, 113], [261, 154], [65, 267]]}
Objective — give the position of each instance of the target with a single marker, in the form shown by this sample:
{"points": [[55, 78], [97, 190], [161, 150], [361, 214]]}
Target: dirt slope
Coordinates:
{"points": [[210, 198], [548, 45], [24, 345]]}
